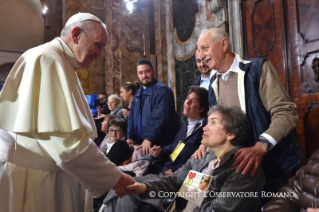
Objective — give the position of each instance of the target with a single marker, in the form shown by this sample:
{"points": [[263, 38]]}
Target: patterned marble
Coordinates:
{"points": [[183, 51], [169, 40], [186, 72], [160, 41], [125, 45], [180, 55], [184, 11]]}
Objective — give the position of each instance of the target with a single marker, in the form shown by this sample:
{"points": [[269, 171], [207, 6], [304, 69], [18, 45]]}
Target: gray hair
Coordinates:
{"points": [[218, 34], [236, 123], [116, 97]]}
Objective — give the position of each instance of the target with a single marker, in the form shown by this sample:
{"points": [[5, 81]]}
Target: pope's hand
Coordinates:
{"points": [[120, 187], [137, 188]]}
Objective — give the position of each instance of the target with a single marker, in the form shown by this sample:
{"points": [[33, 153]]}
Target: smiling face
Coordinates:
{"points": [[202, 67], [115, 133], [125, 95], [211, 52], [192, 107], [90, 41], [215, 136], [145, 74], [112, 103]]}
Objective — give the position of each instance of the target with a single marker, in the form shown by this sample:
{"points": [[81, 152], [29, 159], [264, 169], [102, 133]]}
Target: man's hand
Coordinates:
{"points": [[168, 172], [101, 116], [130, 141], [249, 158], [137, 188], [156, 151], [146, 145], [200, 153], [126, 112], [120, 187]]}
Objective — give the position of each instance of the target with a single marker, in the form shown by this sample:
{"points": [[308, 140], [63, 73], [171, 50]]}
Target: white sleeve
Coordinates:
{"points": [[79, 157]]}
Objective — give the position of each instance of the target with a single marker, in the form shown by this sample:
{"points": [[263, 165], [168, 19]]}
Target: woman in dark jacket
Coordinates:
{"points": [[118, 151], [226, 132]]}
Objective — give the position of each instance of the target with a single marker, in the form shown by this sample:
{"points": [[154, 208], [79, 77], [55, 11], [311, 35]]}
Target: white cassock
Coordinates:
{"points": [[47, 156]]}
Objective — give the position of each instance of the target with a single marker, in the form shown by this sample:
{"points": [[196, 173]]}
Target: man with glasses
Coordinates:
{"points": [[153, 119]]}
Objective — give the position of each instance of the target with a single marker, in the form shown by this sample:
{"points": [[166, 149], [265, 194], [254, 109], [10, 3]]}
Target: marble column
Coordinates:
{"points": [[235, 26]]}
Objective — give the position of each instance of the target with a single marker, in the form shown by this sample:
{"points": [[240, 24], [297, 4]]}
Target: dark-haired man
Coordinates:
{"points": [[202, 80], [153, 119], [102, 96]]}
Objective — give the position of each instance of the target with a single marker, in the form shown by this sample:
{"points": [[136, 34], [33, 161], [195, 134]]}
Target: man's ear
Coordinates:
{"points": [[76, 33], [224, 44]]}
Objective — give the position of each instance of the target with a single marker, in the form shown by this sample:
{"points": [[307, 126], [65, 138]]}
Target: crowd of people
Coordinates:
{"points": [[239, 130]]}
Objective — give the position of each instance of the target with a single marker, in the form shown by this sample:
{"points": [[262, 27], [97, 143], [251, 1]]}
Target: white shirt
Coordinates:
{"points": [[204, 82]]}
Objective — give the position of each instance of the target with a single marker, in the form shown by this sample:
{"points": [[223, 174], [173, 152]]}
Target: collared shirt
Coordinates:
{"points": [[204, 82], [224, 76], [233, 68]]}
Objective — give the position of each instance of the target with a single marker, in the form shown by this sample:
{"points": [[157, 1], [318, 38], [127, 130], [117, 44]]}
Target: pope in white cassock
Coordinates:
{"points": [[47, 156]]}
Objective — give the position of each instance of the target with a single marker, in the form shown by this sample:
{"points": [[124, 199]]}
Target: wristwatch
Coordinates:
{"points": [[268, 145]]}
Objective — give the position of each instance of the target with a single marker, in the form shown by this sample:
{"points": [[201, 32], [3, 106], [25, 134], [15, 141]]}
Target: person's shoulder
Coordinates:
{"points": [[161, 87], [45, 52], [196, 81], [44, 49], [123, 144]]}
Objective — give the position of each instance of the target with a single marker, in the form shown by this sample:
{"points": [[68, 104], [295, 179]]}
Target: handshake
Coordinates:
{"points": [[127, 185]]}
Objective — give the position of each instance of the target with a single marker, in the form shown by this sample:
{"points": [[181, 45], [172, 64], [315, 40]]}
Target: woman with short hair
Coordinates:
{"points": [[114, 104], [118, 151], [227, 130]]}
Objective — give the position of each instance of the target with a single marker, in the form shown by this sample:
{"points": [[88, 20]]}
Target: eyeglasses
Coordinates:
{"points": [[110, 103], [112, 130]]}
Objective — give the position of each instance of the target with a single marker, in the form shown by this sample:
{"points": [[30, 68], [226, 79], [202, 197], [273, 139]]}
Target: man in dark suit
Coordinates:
{"points": [[202, 80]]}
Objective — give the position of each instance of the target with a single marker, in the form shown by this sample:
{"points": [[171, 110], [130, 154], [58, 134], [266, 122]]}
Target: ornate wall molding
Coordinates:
{"points": [[219, 9], [185, 50], [169, 40]]}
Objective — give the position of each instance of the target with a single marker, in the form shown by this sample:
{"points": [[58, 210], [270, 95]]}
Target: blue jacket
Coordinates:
{"points": [[159, 122], [287, 153], [192, 143]]}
